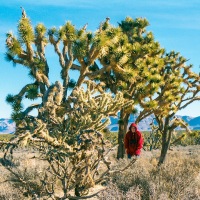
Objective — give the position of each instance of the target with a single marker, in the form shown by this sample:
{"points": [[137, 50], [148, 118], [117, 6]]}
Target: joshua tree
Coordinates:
{"points": [[76, 50], [126, 58], [66, 128], [160, 83], [179, 88], [136, 60]]}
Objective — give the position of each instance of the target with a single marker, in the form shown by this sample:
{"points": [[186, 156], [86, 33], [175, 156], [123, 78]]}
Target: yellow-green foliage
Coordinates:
{"points": [[189, 139], [26, 32], [6, 137], [110, 136]]}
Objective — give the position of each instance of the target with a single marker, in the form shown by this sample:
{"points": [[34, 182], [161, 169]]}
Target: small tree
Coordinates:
{"points": [[179, 88]]}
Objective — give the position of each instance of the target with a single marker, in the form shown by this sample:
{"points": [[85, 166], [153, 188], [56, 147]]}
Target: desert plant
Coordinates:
{"points": [[6, 137], [67, 128], [152, 138], [69, 140], [179, 88], [191, 139]]}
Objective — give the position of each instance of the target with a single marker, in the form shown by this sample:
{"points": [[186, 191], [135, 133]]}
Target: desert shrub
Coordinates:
{"points": [[191, 139], [7, 192], [175, 179], [6, 137], [185, 139], [24, 175], [71, 143], [111, 136], [27, 181], [179, 137], [152, 140], [136, 176], [178, 178], [120, 185], [112, 193]]}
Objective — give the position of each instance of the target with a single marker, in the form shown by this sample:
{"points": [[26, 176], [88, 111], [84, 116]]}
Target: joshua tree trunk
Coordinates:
{"points": [[166, 138], [122, 131]]}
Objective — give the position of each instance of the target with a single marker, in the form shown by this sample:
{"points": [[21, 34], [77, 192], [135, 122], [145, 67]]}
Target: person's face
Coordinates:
{"points": [[133, 129]]}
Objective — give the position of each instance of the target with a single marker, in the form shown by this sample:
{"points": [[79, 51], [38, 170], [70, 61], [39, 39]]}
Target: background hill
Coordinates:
{"points": [[8, 126], [194, 122]]}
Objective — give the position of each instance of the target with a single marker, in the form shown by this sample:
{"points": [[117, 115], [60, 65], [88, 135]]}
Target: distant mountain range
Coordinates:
{"points": [[7, 126], [144, 125]]}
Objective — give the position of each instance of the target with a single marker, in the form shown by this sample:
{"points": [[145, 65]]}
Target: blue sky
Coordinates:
{"points": [[175, 24]]}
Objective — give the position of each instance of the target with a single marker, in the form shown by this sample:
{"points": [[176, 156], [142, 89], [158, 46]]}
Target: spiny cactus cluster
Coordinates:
{"points": [[69, 136]]}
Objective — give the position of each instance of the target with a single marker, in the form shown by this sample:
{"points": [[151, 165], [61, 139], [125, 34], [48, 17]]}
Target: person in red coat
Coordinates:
{"points": [[133, 141]]}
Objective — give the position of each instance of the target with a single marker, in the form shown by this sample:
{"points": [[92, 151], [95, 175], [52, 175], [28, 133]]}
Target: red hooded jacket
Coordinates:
{"points": [[133, 142]]}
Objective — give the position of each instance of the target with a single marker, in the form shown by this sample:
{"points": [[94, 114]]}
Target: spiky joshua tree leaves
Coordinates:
{"points": [[67, 128], [160, 83], [135, 59], [179, 88]]}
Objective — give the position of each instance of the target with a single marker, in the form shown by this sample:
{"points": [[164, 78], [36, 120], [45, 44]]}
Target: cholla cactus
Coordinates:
{"points": [[69, 136]]}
